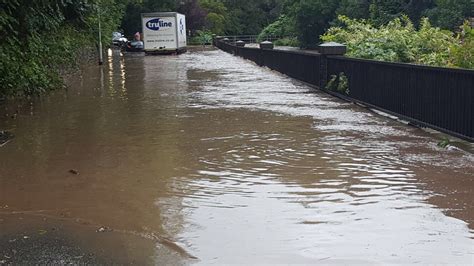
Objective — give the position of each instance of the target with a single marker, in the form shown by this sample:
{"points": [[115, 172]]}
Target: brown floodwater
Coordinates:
{"points": [[205, 158]]}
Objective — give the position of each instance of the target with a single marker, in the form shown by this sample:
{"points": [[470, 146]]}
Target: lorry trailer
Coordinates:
{"points": [[164, 33]]}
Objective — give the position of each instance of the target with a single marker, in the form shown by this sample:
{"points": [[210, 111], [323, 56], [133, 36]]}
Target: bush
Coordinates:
{"points": [[338, 83], [397, 41], [287, 41], [201, 38], [463, 55]]}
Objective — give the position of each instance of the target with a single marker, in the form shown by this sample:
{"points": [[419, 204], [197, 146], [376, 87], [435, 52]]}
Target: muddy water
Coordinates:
{"points": [[206, 158]]}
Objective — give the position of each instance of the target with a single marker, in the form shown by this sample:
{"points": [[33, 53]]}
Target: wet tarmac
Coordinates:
{"points": [[205, 158]]}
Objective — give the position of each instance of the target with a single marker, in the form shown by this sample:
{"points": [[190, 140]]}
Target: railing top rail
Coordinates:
{"points": [[298, 52], [269, 37], [376, 62], [405, 65]]}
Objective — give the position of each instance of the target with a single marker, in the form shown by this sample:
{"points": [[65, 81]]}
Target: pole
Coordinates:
{"points": [[101, 59]]}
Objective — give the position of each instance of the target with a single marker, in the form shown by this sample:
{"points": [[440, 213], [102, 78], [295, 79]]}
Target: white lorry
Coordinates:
{"points": [[164, 32]]}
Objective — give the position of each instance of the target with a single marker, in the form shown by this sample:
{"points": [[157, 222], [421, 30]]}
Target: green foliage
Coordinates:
{"points": [[354, 8], [343, 86], [250, 17], [284, 26], [229, 17], [312, 20], [216, 15], [40, 37], [202, 38], [449, 14], [397, 41], [332, 83], [464, 53], [312, 17], [338, 83], [131, 21], [444, 143], [287, 41], [383, 11]]}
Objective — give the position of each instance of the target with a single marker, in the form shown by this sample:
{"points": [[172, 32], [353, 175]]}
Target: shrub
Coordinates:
{"points": [[397, 41], [202, 38], [287, 41], [463, 55], [338, 83]]}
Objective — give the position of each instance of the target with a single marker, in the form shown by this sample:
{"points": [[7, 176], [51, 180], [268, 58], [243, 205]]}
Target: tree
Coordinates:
{"points": [[216, 15], [195, 15], [312, 20], [449, 14], [250, 17], [354, 8], [131, 21], [39, 37], [383, 11]]}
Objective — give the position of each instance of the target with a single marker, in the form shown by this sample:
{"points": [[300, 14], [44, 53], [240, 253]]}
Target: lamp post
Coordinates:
{"points": [[101, 59]]}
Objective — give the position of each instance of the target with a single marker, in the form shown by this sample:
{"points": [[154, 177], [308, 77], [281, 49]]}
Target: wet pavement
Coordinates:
{"points": [[205, 158]]}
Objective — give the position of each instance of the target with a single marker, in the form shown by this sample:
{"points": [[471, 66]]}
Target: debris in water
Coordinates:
{"points": [[444, 143], [5, 137], [74, 171], [103, 229]]}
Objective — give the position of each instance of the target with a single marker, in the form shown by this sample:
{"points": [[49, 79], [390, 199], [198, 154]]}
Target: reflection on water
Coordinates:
{"points": [[206, 158]]}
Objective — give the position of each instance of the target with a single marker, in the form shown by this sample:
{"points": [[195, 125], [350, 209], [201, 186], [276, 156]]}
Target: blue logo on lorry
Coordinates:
{"points": [[156, 24]]}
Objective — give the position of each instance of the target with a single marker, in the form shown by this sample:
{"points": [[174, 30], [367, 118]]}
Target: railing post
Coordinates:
{"points": [[267, 45], [216, 39], [326, 49], [240, 43]]}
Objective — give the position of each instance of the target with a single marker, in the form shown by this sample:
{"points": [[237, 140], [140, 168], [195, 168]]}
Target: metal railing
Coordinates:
{"points": [[435, 97], [253, 38]]}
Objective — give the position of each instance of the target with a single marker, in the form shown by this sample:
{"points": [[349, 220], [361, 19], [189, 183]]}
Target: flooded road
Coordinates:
{"points": [[205, 158]]}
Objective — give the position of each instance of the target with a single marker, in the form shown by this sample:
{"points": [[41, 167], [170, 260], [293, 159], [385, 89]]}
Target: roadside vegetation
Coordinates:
{"points": [[400, 41], [202, 37], [39, 38], [429, 32], [309, 19]]}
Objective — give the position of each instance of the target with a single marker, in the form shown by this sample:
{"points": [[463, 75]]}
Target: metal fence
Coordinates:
{"points": [[298, 65], [439, 98], [253, 38]]}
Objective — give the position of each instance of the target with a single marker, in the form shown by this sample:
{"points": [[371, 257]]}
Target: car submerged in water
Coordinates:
{"points": [[134, 46], [118, 39]]}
